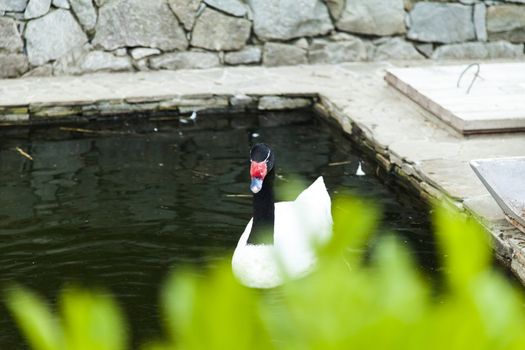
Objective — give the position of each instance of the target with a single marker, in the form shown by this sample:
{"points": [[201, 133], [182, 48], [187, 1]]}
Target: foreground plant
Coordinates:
{"points": [[88, 320], [346, 303]]}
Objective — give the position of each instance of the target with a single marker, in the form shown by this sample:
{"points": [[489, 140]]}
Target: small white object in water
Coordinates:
{"points": [[192, 117], [360, 171], [255, 134], [155, 129]]}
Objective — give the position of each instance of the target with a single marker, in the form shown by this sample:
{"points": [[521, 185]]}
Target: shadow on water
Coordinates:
{"points": [[121, 206]]}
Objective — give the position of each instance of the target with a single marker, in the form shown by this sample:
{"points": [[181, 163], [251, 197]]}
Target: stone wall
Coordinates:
{"points": [[62, 37]]}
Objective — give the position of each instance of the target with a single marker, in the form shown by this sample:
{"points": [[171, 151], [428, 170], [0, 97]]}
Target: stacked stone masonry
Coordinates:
{"points": [[64, 37]]}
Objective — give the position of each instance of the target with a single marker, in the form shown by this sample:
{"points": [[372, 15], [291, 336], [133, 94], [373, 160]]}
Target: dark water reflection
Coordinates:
{"points": [[122, 207]]}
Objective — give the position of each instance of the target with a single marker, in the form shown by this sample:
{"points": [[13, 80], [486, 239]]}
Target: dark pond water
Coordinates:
{"points": [[121, 207]]}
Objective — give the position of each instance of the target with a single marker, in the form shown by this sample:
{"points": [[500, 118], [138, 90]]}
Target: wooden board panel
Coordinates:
{"points": [[495, 103]]}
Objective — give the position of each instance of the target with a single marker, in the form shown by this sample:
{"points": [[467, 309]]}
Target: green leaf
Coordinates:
{"points": [[178, 302], [403, 293], [500, 308], [465, 246], [92, 320], [35, 319], [216, 313]]}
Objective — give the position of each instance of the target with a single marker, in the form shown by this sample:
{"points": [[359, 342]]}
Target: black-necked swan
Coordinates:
{"points": [[279, 241]]}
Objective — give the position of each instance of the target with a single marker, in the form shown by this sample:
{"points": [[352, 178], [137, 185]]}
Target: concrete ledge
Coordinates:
{"points": [[406, 140]]}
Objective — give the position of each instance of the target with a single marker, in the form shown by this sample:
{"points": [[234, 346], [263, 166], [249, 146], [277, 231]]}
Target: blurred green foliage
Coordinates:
{"points": [[88, 320], [383, 303]]}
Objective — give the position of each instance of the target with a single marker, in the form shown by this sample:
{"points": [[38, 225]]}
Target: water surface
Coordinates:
{"points": [[119, 208]]}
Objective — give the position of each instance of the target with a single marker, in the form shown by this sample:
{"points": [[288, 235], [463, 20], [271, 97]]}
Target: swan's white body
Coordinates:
{"points": [[299, 226]]}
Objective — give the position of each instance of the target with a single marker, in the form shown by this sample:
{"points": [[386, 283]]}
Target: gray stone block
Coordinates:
{"points": [[195, 103], [288, 19], [279, 103], [41, 71], [86, 13], [133, 23], [409, 4], [83, 60], [64, 4], [13, 5], [51, 36], [13, 65], [142, 52], [277, 54], [301, 43], [480, 21], [374, 17], [335, 7], [37, 8], [186, 11], [18, 16], [219, 32], [123, 51], [10, 40], [241, 100], [478, 50], [396, 49], [68, 64], [248, 55], [98, 61], [331, 52], [232, 7], [506, 22], [442, 23], [185, 60], [425, 49]]}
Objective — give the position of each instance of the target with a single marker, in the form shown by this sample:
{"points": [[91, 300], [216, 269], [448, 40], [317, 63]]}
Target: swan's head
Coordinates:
{"points": [[262, 161]]}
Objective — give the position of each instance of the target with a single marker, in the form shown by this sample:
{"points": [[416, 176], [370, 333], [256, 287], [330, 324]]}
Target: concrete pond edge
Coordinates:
{"points": [[43, 112]]}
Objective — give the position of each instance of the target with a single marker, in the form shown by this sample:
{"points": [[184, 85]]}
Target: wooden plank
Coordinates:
{"points": [[426, 78], [515, 98], [496, 101], [426, 103], [488, 115], [489, 70]]}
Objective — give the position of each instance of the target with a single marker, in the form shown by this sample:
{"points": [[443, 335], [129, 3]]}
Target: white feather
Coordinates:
{"points": [[359, 171], [299, 226]]}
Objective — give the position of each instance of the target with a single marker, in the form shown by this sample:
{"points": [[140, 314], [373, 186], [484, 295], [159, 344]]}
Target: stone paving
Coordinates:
{"points": [[403, 137]]}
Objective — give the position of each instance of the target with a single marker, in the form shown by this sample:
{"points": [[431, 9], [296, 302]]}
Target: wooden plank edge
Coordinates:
{"points": [[437, 110]]}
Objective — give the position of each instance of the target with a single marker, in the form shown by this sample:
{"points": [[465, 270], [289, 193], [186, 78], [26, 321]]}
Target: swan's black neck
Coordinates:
{"points": [[263, 213]]}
